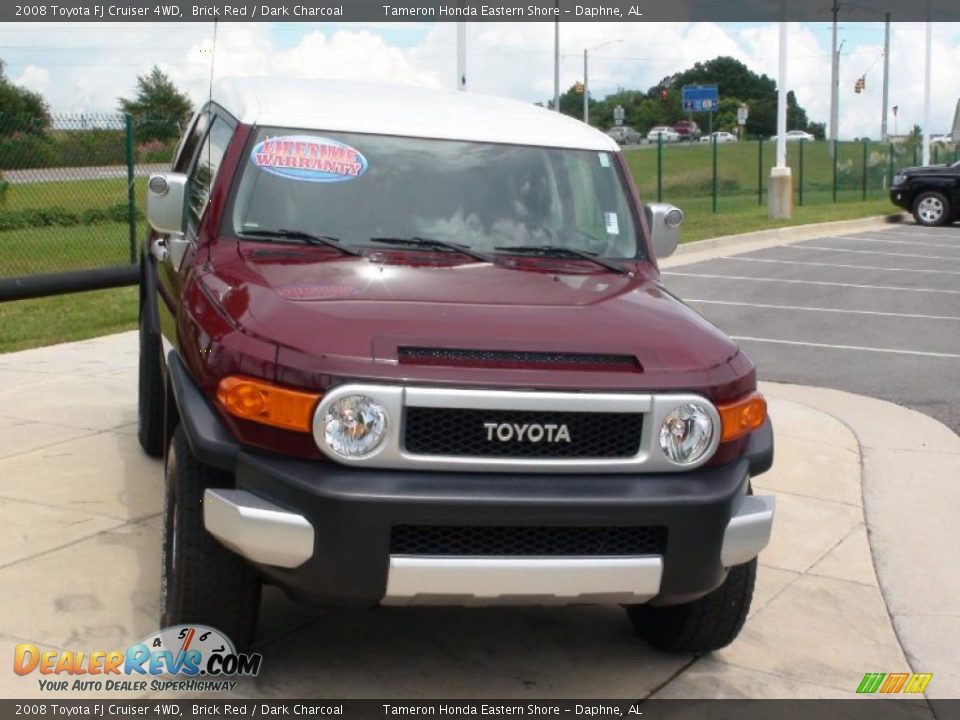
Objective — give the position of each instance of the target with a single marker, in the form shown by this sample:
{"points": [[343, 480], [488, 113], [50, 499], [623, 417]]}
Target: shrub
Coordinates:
{"points": [[57, 216]]}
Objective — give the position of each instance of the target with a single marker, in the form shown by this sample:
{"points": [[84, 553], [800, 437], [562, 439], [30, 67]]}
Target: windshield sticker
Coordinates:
{"points": [[604, 159], [309, 158], [612, 223]]}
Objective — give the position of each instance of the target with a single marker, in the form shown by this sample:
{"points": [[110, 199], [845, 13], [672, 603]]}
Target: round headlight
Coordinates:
{"points": [[354, 426], [686, 433]]}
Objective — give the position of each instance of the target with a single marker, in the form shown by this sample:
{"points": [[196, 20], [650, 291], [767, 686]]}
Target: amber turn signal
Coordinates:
{"points": [[267, 403], [743, 416]]}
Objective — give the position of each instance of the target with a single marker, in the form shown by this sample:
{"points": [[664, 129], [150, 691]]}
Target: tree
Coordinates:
{"points": [[21, 110], [159, 110]]}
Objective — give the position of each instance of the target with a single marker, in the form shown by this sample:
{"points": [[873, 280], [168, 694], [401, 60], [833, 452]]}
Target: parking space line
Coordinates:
{"points": [[911, 316], [921, 233], [743, 258], [813, 282], [873, 252], [945, 246], [894, 351]]}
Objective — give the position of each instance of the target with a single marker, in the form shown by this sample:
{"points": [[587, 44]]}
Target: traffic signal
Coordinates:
{"points": [[578, 87], [860, 85]]}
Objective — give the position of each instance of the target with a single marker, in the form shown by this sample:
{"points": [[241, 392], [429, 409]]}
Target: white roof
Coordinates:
{"points": [[401, 110]]}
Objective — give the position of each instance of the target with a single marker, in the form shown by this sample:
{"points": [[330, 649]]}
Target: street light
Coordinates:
{"points": [[586, 83]]}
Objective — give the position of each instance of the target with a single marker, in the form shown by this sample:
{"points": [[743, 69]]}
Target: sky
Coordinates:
{"points": [[86, 67]]}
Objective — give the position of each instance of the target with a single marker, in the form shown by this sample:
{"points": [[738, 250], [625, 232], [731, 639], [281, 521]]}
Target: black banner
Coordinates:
{"points": [[875, 708], [470, 10]]}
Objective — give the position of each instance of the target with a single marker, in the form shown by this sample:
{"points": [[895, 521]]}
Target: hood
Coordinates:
{"points": [[931, 170], [352, 314]]}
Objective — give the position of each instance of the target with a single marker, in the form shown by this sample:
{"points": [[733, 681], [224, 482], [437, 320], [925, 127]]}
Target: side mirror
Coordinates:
{"points": [[167, 202], [664, 220]]}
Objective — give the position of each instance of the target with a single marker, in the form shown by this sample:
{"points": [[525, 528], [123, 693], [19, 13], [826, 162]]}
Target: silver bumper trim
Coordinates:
{"points": [[748, 531], [516, 581], [257, 529]]}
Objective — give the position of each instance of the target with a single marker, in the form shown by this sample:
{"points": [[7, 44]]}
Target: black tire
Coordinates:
{"points": [[710, 623], [202, 582], [932, 209], [150, 392]]}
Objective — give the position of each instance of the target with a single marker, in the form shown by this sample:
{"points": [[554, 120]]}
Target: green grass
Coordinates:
{"points": [[73, 195], [57, 248], [702, 224], [64, 318]]}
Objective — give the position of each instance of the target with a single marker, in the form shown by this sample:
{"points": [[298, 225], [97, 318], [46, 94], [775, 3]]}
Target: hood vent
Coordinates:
{"points": [[518, 359]]}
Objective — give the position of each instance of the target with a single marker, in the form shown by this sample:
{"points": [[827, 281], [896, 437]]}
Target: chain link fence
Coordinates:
{"points": [[732, 176], [72, 192]]}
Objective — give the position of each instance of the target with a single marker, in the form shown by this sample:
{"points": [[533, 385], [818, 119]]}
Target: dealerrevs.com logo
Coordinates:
{"points": [[190, 658]]}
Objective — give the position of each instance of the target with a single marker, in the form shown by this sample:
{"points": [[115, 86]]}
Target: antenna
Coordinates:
{"points": [[213, 60]]}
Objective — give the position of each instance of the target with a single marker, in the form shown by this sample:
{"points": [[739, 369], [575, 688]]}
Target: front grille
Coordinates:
{"points": [[466, 432], [517, 359], [461, 541]]}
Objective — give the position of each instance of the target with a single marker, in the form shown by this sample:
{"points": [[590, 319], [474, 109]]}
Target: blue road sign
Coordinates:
{"points": [[700, 98]]}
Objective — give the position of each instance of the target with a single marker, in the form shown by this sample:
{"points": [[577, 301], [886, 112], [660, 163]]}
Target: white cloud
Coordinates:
{"points": [[35, 78]]}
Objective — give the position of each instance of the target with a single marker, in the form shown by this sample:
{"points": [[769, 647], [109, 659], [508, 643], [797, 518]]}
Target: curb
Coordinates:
{"points": [[779, 236]]}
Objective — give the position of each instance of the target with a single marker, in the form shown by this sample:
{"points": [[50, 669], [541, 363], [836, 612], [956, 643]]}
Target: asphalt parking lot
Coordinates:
{"points": [[875, 313]]}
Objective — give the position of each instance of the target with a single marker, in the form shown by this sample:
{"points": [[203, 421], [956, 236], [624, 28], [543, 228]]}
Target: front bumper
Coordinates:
{"points": [[900, 198], [323, 531]]}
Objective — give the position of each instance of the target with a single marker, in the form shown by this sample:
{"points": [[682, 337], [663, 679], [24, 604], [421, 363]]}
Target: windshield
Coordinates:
{"points": [[360, 187]]}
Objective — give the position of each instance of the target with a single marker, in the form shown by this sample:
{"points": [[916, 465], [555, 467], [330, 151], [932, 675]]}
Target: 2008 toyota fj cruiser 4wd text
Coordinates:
{"points": [[402, 346]]}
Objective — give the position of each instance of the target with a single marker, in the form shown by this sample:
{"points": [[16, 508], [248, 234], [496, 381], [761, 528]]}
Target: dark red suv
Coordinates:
{"points": [[687, 130], [401, 346]]}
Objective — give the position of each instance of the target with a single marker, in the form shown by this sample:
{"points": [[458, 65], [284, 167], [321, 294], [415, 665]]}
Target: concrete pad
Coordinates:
{"points": [[850, 560], [710, 679], [819, 631], [805, 529], [912, 504], [771, 582], [813, 469], [933, 639], [462, 652], [103, 474], [86, 357], [22, 378], [30, 529], [101, 592], [94, 403], [795, 420], [21, 436]]}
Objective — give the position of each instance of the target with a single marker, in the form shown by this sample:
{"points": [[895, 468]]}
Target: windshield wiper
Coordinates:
{"points": [[305, 237], [559, 252], [432, 244]]}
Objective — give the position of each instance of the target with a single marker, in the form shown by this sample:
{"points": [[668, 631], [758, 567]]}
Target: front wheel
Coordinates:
{"points": [[931, 209], [706, 624], [203, 582]]}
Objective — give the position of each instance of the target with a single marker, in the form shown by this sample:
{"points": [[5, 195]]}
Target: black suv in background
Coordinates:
{"points": [[931, 193]]}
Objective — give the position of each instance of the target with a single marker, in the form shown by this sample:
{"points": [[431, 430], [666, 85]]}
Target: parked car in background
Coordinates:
{"points": [[796, 135], [687, 130], [721, 136], [668, 133], [625, 135], [931, 193]]}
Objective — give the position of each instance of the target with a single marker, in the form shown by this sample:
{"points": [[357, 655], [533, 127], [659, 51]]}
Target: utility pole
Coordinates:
{"points": [[884, 135], [780, 195], [926, 85], [586, 90], [461, 56], [834, 77], [556, 62]]}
